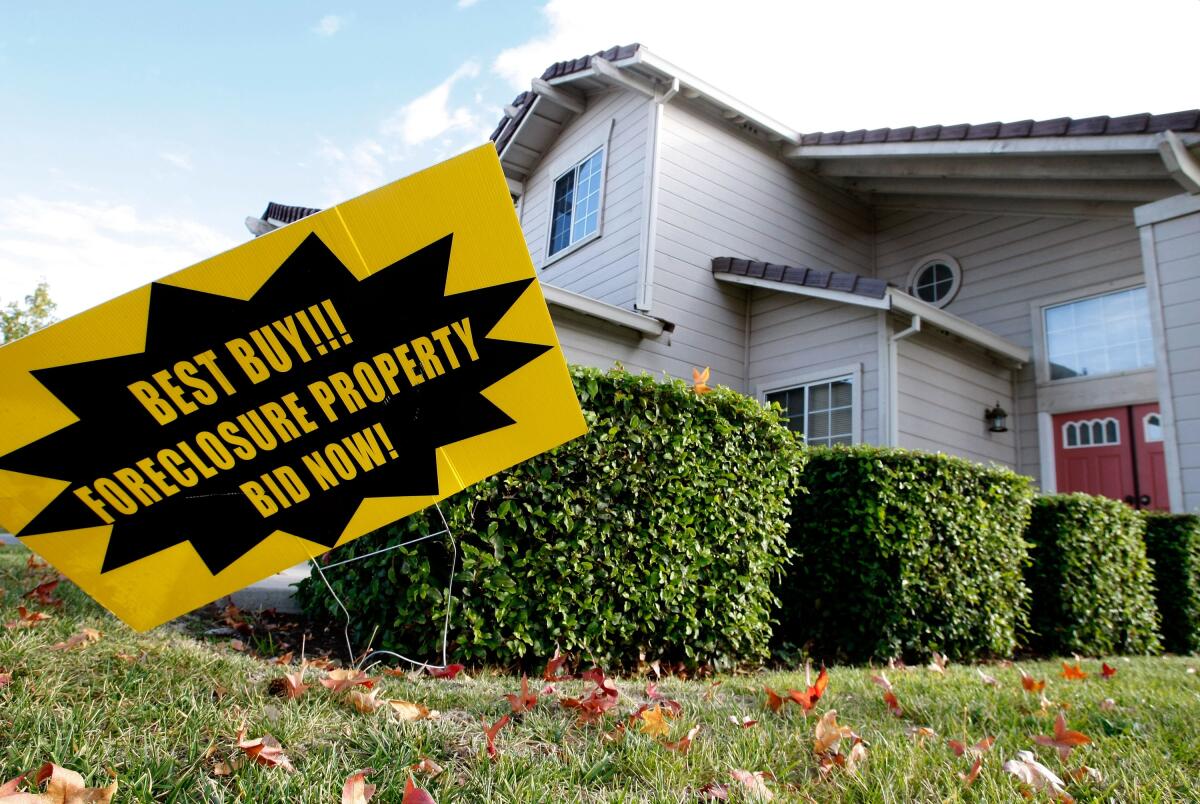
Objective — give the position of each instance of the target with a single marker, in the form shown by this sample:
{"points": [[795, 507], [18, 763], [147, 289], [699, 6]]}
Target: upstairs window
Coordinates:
{"points": [[1100, 335], [822, 411], [935, 279], [575, 214]]}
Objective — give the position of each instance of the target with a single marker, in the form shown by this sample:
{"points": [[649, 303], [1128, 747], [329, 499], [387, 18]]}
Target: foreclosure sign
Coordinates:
{"points": [[252, 411]]}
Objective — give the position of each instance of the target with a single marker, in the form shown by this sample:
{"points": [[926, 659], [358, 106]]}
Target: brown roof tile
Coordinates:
{"points": [[842, 281]]}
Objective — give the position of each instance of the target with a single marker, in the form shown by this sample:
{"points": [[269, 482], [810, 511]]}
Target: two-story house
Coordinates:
{"points": [[1025, 293]]}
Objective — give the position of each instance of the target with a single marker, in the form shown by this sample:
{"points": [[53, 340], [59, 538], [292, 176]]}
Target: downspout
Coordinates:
{"points": [[894, 381], [645, 296]]}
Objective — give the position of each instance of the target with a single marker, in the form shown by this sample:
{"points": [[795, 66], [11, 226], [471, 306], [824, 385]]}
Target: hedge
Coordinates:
{"points": [[1092, 586], [902, 553], [659, 533], [1173, 544]]}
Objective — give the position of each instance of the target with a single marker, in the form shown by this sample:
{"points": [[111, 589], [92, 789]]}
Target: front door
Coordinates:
{"points": [[1114, 452]]}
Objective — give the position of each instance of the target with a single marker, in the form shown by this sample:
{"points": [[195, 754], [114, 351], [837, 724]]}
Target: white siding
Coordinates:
{"points": [[1008, 262], [792, 336], [943, 390], [607, 267], [1176, 258]]}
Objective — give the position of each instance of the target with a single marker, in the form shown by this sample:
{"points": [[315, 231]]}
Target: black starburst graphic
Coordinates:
{"points": [[403, 301]]}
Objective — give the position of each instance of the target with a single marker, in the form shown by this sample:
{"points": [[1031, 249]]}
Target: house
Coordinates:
{"points": [[1022, 293]]}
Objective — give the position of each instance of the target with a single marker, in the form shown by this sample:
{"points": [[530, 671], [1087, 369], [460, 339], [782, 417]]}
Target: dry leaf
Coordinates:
{"points": [[128, 658], [808, 699], [342, 680], [427, 766], [238, 645], [523, 702], [755, 784], [1030, 684], [27, 618], [490, 733], [5, 679], [415, 795], [921, 734], [62, 786], [654, 722], [829, 734], [1084, 772], [356, 790], [553, 666], [746, 722], [713, 791], [893, 704], [449, 672], [290, 685], [973, 773], [407, 710], [1073, 673], [284, 659], [1037, 776], [86, 636], [1064, 739], [1108, 704], [774, 699], [991, 681], [43, 594], [700, 380], [365, 702], [883, 682], [616, 734], [938, 663], [1106, 671], [979, 749], [684, 744], [266, 750]]}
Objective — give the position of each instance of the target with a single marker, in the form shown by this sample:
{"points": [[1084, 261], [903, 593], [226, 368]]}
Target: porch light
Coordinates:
{"points": [[997, 419]]}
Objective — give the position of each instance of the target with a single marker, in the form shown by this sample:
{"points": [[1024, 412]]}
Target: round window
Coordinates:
{"points": [[935, 279]]}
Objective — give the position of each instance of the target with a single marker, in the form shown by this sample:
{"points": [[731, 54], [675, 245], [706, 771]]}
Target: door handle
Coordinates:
{"points": [[1144, 499]]}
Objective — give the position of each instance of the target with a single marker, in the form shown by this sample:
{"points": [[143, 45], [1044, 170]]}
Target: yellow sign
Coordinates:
{"points": [[254, 410]]}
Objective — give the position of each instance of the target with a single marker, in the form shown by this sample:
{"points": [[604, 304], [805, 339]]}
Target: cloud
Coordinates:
{"points": [[91, 252], [181, 161], [429, 116], [823, 66], [328, 25], [466, 3]]}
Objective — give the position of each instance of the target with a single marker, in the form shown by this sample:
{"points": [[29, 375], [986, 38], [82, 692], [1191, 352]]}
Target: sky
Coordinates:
{"points": [[135, 137]]}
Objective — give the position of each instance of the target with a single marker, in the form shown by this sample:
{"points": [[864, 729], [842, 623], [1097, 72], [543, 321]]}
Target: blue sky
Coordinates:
{"points": [[136, 137]]}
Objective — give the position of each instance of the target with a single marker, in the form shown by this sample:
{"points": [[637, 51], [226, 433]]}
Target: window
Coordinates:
{"points": [[1100, 335], [935, 279], [575, 214], [1091, 433], [822, 411], [1152, 428]]}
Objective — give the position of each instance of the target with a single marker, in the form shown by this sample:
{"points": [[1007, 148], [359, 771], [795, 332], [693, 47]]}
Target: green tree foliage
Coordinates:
{"points": [[1092, 586], [902, 553], [17, 320], [659, 532]]}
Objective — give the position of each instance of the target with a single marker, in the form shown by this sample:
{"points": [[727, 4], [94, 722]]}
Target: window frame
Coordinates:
{"points": [[853, 373], [1041, 353], [564, 166], [926, 261]]}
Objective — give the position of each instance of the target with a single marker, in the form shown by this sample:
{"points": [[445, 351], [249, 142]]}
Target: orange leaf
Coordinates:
{"points": [[290, 686], [450, 671], [654, 722], [972, 774], [86, 636], [1073, 673], [552, 667], [1031, 685], [415, 795], [26, 618], [342, 680], [426, 765], [407, 710], [1064, 739], [882, 681], [43, 594], [684, 744], [266, 750], [893, 704], [808, 699], [356, 790], [774, 700], [525, 701], [1106, 671], [700, 380], [284, 659], [490, 733]]}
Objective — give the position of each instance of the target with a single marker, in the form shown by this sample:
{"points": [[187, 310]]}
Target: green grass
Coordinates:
{"points": [[157, 723]]}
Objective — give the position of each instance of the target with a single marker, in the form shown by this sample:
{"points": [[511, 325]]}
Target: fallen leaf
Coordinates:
{"points": [[973, 773], [893, 704], [284, 659], [490, 733], [1063, 739], [883, 682], [265, 750], [10, 787], [1084, 772], [746, 722], [415, 795], [407, 710], [238, 645], [342, 680], [27, 618], [938, 663], [5, 679], [978, 749], [1037, 776], [43, 593], [356, 790], [525, 700], [553, 666], [654, 722], [1031, 685], [449, 672], [774, 699], [86, 636], [808, 699], [290, 685], [700, 380], [128, 658], [427, 766], [921, 734], [62, 786], [991, 681], [1073, 673], [896, 663], [616, 734], [828, 734], [713, 791], [755, 784], [364, 702], [683, 744], [1106, 671]]}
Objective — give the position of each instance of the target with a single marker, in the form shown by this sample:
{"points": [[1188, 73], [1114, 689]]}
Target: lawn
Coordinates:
{"points": [[162, 710]]}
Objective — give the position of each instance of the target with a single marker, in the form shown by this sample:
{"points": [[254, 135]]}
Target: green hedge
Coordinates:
{"points": [[1092, 586], [1173, 544], [904, 553], [659, 532]]}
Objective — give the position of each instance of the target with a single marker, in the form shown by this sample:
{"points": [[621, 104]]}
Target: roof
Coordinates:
{"points": [[286, 214], [840, 281], [1058, 127]]}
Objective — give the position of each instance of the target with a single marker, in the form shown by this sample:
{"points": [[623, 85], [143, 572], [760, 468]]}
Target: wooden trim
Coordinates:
{"points": [[804, 290], [568, 98], [1180, 163], [609, 313], [854, 371], [940, 319], [1104, 144], [1174, 207]]}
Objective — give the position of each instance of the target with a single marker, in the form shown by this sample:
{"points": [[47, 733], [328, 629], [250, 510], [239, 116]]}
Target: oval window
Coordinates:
{"points": [[935, 279]]}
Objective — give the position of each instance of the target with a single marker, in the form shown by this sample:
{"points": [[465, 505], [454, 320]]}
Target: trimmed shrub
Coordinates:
{"points": [[1092, 587], [659, 532], [901, 553], [1173, 545]]}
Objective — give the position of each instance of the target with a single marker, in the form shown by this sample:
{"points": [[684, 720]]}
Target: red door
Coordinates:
{"points": [[1114, 452]]}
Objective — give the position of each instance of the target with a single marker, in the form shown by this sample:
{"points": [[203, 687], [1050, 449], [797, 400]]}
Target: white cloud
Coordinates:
{"points": [[91, 252], [466, 3], [878, 63], [328, 25], [430, 115], [181, 161]]}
